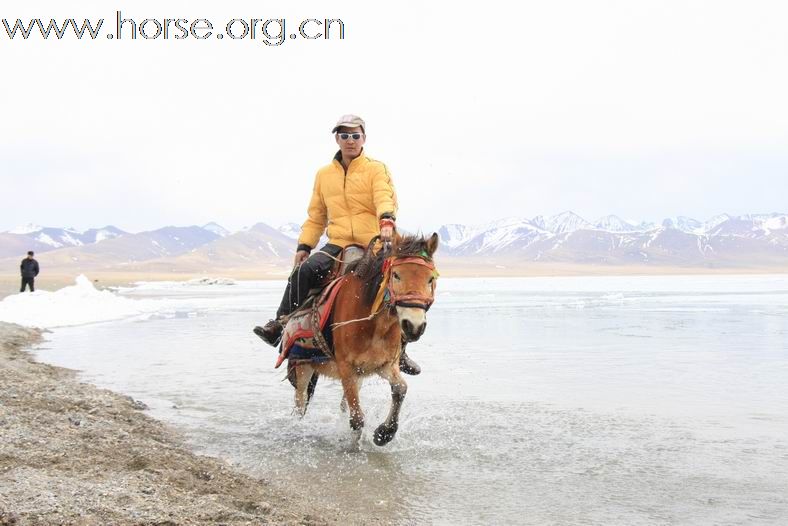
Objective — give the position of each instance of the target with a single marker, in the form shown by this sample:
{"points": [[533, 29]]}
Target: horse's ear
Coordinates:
{"points": [[432, 243]]}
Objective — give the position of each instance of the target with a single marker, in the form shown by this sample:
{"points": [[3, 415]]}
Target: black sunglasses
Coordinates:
{"points": [[346, 136]]}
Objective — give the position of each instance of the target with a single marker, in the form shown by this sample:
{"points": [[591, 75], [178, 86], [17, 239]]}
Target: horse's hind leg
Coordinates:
{"points": [[310, 389], [386, 431], [305, 381]]}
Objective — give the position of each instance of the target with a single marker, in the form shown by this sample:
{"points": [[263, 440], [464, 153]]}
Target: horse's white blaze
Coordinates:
{"points": [[416, 316]]}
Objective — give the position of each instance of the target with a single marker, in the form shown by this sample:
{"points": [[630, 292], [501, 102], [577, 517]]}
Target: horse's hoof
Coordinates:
{"points": [[384, 434], [355, 439]]}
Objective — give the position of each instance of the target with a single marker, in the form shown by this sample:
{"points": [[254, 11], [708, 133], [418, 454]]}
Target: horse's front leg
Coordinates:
{"points": [[350, 385], [386, 431], [343, 403]]}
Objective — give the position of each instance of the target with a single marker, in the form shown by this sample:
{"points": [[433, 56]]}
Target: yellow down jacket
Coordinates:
{"points": [[349, 204]]}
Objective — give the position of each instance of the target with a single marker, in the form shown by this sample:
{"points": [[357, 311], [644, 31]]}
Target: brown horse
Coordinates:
{"points": [[382, 304]]}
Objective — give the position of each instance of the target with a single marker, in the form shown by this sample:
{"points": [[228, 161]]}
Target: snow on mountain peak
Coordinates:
{"points": [[453, 235], [540, 222], [685, 224], [217, 229], [567, 222], [774, 223], [716, 221], [291, 230], [101, 235], [26, 229], [47, 240], [613, 223]]}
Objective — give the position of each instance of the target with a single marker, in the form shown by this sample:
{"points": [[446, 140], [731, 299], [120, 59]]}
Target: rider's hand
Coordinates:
{"points": [[386, 229], [300, 257], [386, 233]]}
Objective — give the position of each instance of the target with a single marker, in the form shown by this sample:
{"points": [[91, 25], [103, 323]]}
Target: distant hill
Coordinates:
{"points": [[260, 245], [17, 245], [723, 241], [120, 251], [44, 239]]}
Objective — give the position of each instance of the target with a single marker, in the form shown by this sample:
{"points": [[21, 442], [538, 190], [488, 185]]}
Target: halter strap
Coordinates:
{"points": [[395, 262], [386, 295], [410, 300]]}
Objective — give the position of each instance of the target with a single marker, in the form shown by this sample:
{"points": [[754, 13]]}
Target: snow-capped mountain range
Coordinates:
{"points": [[567, 237], [754, 240], [162, 242], [66, 237]]}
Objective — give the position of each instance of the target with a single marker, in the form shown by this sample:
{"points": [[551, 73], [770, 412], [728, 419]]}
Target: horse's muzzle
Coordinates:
{"points": [[410, 332]]}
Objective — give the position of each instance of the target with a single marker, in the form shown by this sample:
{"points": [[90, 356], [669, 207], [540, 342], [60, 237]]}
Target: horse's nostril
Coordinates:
{"points": [[412, 332]]}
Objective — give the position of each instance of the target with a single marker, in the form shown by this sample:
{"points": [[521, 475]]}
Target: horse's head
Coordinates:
{"points": [[411, 282]]}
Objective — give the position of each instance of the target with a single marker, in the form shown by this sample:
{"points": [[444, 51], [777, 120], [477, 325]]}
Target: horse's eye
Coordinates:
{"points": [[431, 280], [396, 276]]}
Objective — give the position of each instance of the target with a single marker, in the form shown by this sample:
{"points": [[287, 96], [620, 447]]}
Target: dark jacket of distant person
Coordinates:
{"points": [[29, 268]]}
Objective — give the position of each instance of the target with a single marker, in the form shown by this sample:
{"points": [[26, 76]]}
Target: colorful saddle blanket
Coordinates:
{"points": [[298, 336]]}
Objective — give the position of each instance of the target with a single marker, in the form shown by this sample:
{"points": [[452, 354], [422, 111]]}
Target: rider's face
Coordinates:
{"points": [[350, 147]]}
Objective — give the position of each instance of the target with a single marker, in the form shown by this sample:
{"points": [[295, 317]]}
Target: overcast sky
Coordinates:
{"points": [[482, 110]]}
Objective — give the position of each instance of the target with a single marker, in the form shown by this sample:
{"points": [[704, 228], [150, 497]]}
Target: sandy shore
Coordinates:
{"points": [[71, 453]]}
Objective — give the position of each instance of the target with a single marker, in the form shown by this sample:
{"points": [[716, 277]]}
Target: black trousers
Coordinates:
{"points": [[306, 276], [27, 281]]}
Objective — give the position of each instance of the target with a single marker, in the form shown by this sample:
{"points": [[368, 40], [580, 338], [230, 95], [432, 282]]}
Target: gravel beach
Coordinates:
{"points": [[71, 453]]}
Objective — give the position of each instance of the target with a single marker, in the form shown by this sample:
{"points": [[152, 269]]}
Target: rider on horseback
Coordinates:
{"points": [[354, 198]]}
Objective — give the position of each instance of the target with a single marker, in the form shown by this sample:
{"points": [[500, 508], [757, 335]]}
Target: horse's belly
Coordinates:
{"points": [[372, 361], [370, 356], [328, 369]]}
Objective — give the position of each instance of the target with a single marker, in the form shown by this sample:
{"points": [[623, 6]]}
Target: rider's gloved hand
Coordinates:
{"points": [[300, 257], [302, 252], [387, 227]]}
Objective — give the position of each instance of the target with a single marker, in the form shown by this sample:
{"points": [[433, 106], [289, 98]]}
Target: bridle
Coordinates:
{"points": [[410, 299]]}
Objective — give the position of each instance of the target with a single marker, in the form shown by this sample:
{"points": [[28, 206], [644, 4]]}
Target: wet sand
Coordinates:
{"points": [[71, 453]]}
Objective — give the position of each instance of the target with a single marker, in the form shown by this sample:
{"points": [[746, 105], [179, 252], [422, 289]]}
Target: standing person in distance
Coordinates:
{"points": [[29, 270]]}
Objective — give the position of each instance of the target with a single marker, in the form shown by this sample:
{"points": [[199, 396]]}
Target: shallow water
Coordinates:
{"points": [[631, 400]]}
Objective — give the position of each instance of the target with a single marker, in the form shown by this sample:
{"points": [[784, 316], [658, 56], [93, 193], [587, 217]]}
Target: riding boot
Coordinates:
{"points": [[406, 365], [271, 332]]}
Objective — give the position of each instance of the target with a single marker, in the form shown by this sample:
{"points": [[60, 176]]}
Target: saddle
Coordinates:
{"points": [[306, 335]]}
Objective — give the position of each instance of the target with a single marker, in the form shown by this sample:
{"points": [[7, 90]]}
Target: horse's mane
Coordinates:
{"points": [[369, 269]]}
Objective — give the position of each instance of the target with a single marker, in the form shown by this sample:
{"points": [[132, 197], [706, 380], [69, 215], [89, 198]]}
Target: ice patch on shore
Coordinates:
{"points": [[164, 285], [196, 286], [77, 304]]}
